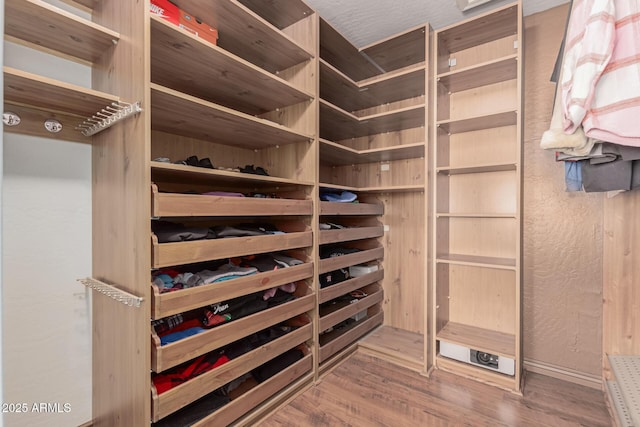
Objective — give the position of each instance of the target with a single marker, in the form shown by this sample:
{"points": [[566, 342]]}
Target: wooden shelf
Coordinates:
{"points": [[185, 393], [254, 397], [349, 234], [173, 354], [399, 50], [338, 89], [330, 264], [337, 124], [189, 205], [493, 25], [381, 189], [336, 154], [339, 312], [398, 345], [337, 187], [475, 215], [237, 84], [44, 93], [478, 261], [477, 373], [486, 340], [337, 209], [178, 253], [457, 170], [190, 174], [169, 303], [504, 118], [42, 24], [247, 35], [334, 341], [486, 73], [341, 54], [181, 114], [334, 291], [280, 13]]}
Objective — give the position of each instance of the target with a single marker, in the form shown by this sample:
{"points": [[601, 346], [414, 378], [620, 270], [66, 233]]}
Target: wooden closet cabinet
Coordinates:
{"points": [[374, 120], [477, 192], [249, 99]]}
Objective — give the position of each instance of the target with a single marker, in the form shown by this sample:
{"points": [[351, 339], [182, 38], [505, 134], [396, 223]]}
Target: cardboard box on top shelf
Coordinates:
{"points": [[197, 27], [166, 10]]}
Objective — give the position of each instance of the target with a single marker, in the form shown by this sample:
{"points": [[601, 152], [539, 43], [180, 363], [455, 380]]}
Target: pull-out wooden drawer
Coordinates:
{"points": [[167, 356], [180, 396], [338, 312], [188, 205], [334, 341], [166, 304], [330, 264], [178, 253], [348, 234]]}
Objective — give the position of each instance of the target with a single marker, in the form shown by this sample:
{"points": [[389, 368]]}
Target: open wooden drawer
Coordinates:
{"points": [[334, 291], [166, 304], [189, 252], [254, 397], [330, 264], [167, 356], [180, 396], [348, 234], [190, 205], [334, 341], [334, 208], [336, 313]]}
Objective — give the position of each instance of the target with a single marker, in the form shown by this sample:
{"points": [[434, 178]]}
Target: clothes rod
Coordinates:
{"points": [[112, 292], [108, 117]]}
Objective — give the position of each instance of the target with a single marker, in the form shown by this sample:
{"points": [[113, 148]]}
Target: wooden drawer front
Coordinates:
{"points": [[331, 319], [334, 208], [335, 263], [254, 397], [180, 396], [169, 254], [185, 205], [350, 336], [342, 288], [170, 355], [163, 305], [347, 234]]}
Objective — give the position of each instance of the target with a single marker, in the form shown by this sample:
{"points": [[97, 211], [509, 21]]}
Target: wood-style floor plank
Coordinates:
{"points": [[368, 392]]}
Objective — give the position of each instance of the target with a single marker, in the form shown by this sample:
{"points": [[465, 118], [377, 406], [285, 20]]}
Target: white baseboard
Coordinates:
{"points": [[563, 373]]}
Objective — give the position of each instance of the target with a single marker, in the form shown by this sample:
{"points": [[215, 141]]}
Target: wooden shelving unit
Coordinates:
{"points": [[374, 117], [57, 30], [260, 111], [177, 112], [477, 226]]}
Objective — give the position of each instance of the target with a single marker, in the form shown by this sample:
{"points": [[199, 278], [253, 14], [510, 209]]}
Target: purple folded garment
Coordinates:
{"points": [[223, 193]]}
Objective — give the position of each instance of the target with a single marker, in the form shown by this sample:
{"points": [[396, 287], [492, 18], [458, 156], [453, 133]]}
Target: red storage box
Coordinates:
{"points": [[197, 27], [165, 10]]}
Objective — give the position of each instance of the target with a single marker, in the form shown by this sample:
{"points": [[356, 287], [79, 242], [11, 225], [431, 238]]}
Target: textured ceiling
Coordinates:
{"points": [[366, 21]]}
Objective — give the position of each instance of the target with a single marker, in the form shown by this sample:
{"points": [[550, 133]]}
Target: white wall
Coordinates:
{"points": [[1, 160], [46, 246]]}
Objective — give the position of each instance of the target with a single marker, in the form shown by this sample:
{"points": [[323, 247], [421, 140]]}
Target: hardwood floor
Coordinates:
{"points": [[365, 391]]}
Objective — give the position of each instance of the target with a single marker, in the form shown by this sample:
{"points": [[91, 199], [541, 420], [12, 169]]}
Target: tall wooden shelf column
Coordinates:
{"points": [[477, 164]]}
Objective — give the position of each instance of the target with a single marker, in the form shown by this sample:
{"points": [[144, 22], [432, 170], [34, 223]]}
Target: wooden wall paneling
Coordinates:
{"points": [[492, 192], [621, 294], [483, 297], [492, 237], [391, 106], [494, 145], [404, 249], [292, 161], [121, 212], [399, 172], [484, 100]]}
